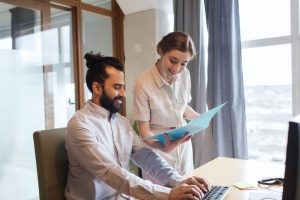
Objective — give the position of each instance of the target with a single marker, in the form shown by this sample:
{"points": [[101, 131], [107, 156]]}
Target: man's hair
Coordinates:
{"points": [[97, 64], [177, 41]]}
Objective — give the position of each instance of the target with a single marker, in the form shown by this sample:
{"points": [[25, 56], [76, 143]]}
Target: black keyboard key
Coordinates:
{"points": [[216, 193]]}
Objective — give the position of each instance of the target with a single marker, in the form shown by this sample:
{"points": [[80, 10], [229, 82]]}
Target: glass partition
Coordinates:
{"points": [[37, 90], [97, 36]]}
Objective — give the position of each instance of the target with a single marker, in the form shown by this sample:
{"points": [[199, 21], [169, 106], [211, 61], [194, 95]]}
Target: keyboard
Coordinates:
{"points": [[216, 193]]}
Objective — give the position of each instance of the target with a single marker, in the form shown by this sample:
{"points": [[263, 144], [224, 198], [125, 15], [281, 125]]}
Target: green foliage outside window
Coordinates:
{"points": [[133, 168]]}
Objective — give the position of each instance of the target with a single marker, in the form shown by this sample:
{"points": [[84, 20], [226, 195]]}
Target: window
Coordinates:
{"points": [[40, 51], [270, 43]]}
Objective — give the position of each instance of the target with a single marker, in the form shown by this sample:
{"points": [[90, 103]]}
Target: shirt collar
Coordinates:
{"points": [[96, 109], [158, 78]]}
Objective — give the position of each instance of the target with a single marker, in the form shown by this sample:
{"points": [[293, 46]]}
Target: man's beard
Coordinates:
{"points": [[110, 104]]}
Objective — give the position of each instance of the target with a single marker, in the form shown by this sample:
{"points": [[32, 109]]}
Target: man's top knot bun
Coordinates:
{"points": [[93, 59]]}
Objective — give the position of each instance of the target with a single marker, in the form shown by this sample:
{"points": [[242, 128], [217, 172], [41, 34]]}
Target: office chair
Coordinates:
{"points": [[51, 162]]}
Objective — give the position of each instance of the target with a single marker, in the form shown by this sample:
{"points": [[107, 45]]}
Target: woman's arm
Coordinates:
{"points": [[169, 146], [190, 113]]}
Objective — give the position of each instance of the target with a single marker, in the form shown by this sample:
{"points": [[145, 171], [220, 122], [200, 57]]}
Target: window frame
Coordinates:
{"points": [[294, 40]]}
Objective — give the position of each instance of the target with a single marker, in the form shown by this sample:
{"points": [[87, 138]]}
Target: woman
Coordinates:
{"points": [[161, 97]]}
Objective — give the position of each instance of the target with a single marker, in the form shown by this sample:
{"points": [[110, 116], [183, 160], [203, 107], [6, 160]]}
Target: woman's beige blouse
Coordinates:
{"points": [[163, 106]]}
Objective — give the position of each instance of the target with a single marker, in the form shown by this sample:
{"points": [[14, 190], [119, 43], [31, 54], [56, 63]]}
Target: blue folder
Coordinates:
{"points": [[192, 127]]}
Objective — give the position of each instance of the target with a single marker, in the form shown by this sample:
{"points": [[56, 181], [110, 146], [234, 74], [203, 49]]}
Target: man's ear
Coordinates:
{"points": [[97, 88]]}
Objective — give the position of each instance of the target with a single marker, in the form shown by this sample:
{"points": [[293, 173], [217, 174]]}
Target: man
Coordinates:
{"points": [[100, 142]]}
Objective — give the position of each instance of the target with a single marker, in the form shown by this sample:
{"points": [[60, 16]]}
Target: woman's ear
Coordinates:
{"points": [[97, 88], [159, 52]]}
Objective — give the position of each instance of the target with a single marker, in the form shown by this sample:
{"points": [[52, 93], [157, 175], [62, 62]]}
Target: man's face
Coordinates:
{"points": [[113, 90]]}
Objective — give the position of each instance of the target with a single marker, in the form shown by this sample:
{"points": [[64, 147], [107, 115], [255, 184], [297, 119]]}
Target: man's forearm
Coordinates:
{"points": [[157, 167]]}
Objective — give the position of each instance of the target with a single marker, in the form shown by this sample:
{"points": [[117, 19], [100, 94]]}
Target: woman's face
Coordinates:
{"points": [[172, 63]]}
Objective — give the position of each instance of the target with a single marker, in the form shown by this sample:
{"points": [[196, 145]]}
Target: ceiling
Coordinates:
{"points": [[127, 6], [131, 6]]}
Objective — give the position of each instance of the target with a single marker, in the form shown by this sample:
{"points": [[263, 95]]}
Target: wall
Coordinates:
{"points": [[142, 31]]}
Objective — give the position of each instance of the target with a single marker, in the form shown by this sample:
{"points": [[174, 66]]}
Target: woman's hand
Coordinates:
{"points": [[170, 145]]}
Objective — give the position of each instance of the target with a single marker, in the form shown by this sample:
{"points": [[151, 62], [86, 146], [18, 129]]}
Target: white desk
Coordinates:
{"points": [[227, 171]]}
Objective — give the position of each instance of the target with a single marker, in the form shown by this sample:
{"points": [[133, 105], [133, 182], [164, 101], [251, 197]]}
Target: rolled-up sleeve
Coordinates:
{"points": [[188, 83], [141, 108]]}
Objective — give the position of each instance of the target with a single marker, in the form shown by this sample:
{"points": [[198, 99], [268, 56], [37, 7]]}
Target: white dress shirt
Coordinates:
{"points": [[99, 150]]}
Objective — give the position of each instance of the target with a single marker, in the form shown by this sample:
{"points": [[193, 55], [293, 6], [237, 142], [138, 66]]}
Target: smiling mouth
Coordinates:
{"points": [[118, 100], [173, 73]]}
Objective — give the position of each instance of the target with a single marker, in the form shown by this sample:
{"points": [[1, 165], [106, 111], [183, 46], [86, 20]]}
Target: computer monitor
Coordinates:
{"points": [[291, 188]]}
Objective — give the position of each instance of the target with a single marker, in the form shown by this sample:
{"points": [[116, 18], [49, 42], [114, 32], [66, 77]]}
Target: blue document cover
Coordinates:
{"points": [[192, 127]]}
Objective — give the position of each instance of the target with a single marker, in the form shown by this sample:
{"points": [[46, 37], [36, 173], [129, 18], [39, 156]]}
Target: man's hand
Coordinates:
{"points": [[186, 192], [201, 183], [170, 145]]}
